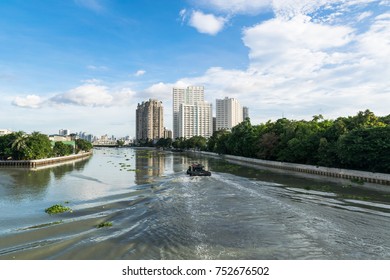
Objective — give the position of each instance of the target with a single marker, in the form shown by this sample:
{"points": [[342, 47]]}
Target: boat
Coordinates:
{"points": [[196, 169]]}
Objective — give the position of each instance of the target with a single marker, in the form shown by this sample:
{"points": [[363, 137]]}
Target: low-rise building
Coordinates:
{"points": [[5, 132]]}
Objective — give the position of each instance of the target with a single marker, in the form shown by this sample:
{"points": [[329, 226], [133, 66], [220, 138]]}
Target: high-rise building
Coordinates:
{"points": [[195, 120], [190, 95], [245, 112], [149, 120], [229, 113], [167, 133], [64, 132]]}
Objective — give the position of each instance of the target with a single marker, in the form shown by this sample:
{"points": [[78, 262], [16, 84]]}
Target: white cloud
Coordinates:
{"points": [[123, 96], [183, 15], [295, 47], [97, 68], [161, 91], [364, 15], [85, 95], [91, 81], [376, 41], [206, 23], [93, 94], [140, 73], [237, 6], [288, 9], [30, 101], [302, 65]]}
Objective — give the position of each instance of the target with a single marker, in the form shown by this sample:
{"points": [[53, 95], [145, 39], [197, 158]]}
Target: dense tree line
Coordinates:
{"points": [[22, 146], [359, 142]]}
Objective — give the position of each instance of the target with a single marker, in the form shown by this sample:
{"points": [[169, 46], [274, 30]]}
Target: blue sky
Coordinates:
{"points": [[84, 65]]}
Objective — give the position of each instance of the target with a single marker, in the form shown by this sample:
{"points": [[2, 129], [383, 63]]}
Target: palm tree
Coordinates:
{"points": [[19, 144]]}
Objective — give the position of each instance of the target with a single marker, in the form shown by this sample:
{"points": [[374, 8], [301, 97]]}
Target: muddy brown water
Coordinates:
{"points": [[158, 212]]}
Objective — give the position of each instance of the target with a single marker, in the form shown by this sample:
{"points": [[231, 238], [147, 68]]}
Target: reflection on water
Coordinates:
{"points": [[20, 183], [158, 212], [149, 164]]}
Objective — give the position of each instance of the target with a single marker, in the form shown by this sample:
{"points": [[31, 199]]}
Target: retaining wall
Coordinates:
{"points": [[371, 177], [42, 162]]}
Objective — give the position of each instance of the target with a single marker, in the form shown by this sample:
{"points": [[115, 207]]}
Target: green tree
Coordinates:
{"points": [[179, 143], [217, 142], [385, 120], [83, 145], [5, 146], [164, 143], [267, 146], [197, 142], [39, 146], [120, 143], [241, 140], [20, 149], [62, 149], [366, 149]]}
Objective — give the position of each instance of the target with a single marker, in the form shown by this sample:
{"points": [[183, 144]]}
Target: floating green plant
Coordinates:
{"points": [[56, 209], [104, 224]]}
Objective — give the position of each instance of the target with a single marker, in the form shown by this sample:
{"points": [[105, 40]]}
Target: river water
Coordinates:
{"points": [[158, 212]]}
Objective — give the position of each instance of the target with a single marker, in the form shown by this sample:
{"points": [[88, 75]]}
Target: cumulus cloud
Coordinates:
{"points": [[140, 73], [309, 60], [294, 47], [90, 94], [122, 96], [85, 95], [206, 23], [161, 91], [30, 101]]}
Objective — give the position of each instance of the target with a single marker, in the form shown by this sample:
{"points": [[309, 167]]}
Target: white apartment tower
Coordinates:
{"points": [[192, 116], [195, 120], [229, 113]]}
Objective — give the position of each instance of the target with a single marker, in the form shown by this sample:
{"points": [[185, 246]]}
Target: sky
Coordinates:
{"points": [[84, 65]]}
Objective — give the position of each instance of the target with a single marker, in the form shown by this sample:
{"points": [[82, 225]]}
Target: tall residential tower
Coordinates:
{"points": [[192, 116], [229, 113], [149, 120]]}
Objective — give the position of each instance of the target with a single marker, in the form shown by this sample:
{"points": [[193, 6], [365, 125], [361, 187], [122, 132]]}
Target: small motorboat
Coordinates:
{"points": [[197, 169]]}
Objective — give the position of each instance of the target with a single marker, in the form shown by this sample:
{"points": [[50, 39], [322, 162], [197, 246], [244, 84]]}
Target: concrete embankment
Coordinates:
{"points": [[43, 162], [363, 176]]}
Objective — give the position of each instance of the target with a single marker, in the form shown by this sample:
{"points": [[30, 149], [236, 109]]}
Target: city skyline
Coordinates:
{"points": [[86, 64]]}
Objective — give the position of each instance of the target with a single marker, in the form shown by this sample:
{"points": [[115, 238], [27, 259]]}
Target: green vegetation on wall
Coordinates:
{"points": [[361, 142], [22, 146]]}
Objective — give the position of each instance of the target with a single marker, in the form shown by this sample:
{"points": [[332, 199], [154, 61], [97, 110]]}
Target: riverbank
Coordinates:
{"points": [[43, 162], [353, 175]]}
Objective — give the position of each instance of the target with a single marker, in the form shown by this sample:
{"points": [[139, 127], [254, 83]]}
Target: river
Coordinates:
{"points": [[158, 212]]}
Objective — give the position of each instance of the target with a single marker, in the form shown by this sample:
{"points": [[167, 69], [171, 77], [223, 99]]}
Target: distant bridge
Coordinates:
{"points": [[105, 144]]}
